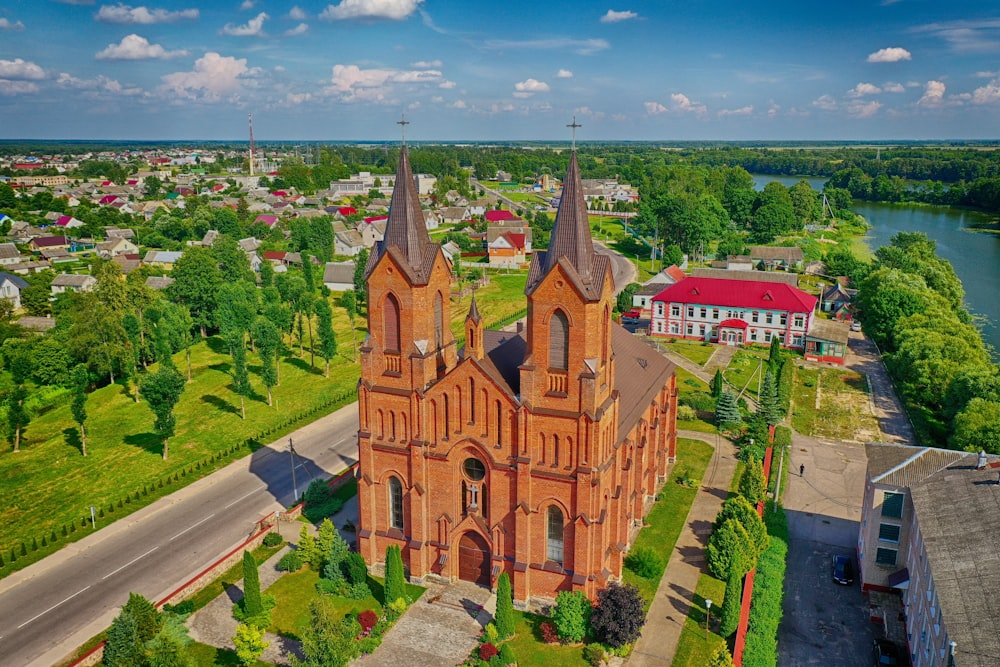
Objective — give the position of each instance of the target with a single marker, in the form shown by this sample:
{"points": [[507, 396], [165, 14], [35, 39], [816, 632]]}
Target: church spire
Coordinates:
{"points": [[571, 233], [405, 229]]}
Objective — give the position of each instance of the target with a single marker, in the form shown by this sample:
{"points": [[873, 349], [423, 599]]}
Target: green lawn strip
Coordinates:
{"points": [[530, 649], [744, 366], [768, 591], [697, 425], [230, 577], [696, 646], [698, 352], [665, 521], [210, 656], [735, 483], [804, 411]]}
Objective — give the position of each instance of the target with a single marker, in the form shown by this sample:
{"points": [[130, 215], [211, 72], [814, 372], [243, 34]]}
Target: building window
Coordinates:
{"points": [[888, 532], [755, 317], [767, 336], [715, 313], [690, 330], [783, 319], [703, 313], [892, 504], [474, 469], [690, 311], [675, 311], [796, 341], [885, 557], [798, 321], [438, 321], [390, 324], [674, 329], [395, 503], [559, 341], [769, 318], [554, 535]]}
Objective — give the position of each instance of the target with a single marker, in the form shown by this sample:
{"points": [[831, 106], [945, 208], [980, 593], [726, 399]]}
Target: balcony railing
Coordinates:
{"points": [[393, 363], [558, 382]]}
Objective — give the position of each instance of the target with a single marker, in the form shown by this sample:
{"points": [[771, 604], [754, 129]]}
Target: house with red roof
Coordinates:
{"points": [[40, 242], [499, 215], [733, 312], [68, 222], [508, 242], [269, 220], [107, 199]]}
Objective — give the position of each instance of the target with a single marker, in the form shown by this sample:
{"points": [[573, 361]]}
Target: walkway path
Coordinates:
{"points": [[674, 597], [720, 358], [704, 374], [863, 357]]}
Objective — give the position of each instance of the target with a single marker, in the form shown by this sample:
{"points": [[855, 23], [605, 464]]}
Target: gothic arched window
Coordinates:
{"points": [[395, 503], [559, 341], [438, 321], [390, 323], [554, 534]]}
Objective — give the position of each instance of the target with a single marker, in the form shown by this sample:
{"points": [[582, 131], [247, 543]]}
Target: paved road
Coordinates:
{"points": [[49, 609]]}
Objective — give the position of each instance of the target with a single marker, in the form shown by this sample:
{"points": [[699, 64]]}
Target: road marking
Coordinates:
{"points": [[249, 493], [194, 525], [109, 574], [35, 618]]}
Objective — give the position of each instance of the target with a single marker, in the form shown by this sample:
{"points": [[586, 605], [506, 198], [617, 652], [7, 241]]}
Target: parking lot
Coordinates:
{"points": [[824, 623]]}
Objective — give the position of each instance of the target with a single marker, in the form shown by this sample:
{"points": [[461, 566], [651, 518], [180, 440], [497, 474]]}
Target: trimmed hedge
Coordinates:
{"points": [[761, 649]]}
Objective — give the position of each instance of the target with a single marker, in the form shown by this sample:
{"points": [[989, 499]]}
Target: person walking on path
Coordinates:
{"points": [[802, 470]]}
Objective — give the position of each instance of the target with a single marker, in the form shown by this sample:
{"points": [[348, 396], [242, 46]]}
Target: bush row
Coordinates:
{"points": [[761, 647]]}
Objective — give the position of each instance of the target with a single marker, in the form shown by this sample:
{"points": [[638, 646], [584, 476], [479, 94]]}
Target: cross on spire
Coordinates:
{"points": [[403, 122], [574, 125]]}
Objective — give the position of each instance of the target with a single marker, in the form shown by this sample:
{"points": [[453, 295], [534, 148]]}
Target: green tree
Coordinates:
{"points": [[252, 603], [241, 375], [169, 647], [774, 353], [249, 643], [310, 551], [123, 646], [148, 619], [727, 411], [18, 362], [97, 336], [624, 300], [768, 409], [172, 328], [333, 548], [720, 657], [805, 203], [729, 617], [233, 263], [196, 283], [571, 615], [268, 341], [80, 380], [327, 337], [742, 510], [162, 390], [8, 198], [729, 546], [327, 639], [395, 583], [349, 303], [977, 427], [505, 607], [360, 287], [752, 485], [718, 384]]}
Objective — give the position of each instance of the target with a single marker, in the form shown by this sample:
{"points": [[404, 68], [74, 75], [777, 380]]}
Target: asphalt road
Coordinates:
{"points": [[50, 608]]}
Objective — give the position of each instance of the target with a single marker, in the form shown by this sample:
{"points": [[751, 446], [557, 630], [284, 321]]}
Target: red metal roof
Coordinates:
{"points": [[376, 218], [738, 294], [347, 210], [268, 220], [274, 254], [279, 193], [46, 241], [732, 324], [497, 216], [675, 272], [516, 240], [108, 199]]}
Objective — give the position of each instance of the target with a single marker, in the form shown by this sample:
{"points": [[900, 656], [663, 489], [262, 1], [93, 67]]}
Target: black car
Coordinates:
{"points": [[843, 570], [885, 652]]}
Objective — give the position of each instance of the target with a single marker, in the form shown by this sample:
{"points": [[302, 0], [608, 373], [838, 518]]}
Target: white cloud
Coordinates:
{"points": [[17, 87], [395, 10], [773, 110], [296, 13], [297, 30], [97, 85], [247, 5], [294, 99], [966, 35], [892, 54], [654, 108], [859, 109], [683, 104], [863, 89], [376, 85], [988, 94], [825, 102], [124, 14], [933, 94], [564, 74], [615, 17], [426, 64], [213, 77], [529, 87], [19, 69], [447, 85], [5, 24], [136, 47], [253, 28], [458, 104], [583, 47], [893, 87], [742, 111]]}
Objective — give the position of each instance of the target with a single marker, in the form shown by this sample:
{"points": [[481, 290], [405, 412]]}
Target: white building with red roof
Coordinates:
{"points": [[733, 312]]}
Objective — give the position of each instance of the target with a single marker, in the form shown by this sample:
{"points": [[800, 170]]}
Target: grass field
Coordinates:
{"points": [[834, 404], [746, 369], [696, 644], [530, 649], [696, 351]]}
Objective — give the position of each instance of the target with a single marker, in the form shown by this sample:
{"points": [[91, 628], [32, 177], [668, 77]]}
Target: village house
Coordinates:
{"points": [[159, 283], [9, 254], [733, 312], [826, 341], [929, 518], [836, 299], [531, 453], [782, 258], [73, 282], [10, 288], [163, 259], [116, 246], [508, 243], [39, 243], [339, 276]]}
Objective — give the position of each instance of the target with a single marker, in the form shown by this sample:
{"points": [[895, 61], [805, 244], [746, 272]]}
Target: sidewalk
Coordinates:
{"points": [[665, 620]]}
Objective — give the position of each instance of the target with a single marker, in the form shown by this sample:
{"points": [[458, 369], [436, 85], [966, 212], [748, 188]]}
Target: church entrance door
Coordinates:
{"points": [[474, 559]]}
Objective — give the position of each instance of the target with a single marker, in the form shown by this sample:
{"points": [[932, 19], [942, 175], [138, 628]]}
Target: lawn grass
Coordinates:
{"points": [[295, 591], [745, 369], [230, 577], [843, 410], [665, 521], [530, 649], [696, 646], [210, 656], [695, 351]]}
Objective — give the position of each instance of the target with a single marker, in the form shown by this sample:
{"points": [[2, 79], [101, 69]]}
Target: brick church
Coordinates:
{"points": [[534, 452]]}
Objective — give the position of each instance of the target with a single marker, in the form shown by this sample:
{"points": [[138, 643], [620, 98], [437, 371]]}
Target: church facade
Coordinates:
{"points": [[534, 452]]}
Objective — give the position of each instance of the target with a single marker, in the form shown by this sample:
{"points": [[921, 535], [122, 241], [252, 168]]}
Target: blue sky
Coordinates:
{"points": [[471, 70]]}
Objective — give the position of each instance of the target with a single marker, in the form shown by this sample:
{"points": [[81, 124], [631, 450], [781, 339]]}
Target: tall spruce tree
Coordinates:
{"points": [[505, 607], [768, 409], [729, 617], [718, 384], [395, 582], [253, 605], [327, 337], [727, 411]]}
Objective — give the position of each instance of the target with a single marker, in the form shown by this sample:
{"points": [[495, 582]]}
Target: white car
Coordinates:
{"points": [[855, 326]]}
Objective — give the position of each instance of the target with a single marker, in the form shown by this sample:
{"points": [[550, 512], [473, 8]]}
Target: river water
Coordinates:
{"points": [[973, 252]]}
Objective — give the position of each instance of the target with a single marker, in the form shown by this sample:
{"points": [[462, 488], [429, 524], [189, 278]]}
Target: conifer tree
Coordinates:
{"points": [[721, 657], [252, 603], [752, 485], [717, 383], [768, 409], [727, 412], [395, 583], [729, 617], [505, 607]]}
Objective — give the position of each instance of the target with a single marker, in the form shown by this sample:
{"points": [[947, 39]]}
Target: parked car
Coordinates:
{"points": [[632, 316], [885, 652], [843, 570], [855, 326]]}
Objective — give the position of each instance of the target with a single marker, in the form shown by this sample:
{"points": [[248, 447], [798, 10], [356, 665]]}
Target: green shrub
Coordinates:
{"points": [[290, 562], [273, 539], [251, 586], [593, 654], [571, 615], [699, 400], [395, 582], [618, 618], [729, 617], [741, 510], [645, 562], [729, 546], [320, 501], [686, 413], [355, 568], [752, 486], [765, 609], [505, 607], [181, 608], [506, 655]]}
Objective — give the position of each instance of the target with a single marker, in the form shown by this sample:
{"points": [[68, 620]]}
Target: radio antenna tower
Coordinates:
{"points": [[250, 121]]}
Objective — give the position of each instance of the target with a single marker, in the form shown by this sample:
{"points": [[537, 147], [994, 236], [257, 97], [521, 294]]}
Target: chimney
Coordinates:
{"points": [[981, 462]]}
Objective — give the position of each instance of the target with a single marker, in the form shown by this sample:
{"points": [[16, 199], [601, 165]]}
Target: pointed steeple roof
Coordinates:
{"points": [[474, 310], [571, 233], [405, 229]]}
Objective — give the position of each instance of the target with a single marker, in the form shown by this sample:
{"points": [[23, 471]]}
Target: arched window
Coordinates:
{"points": [[434, 421], [554, 534], [559, 341], [447, 418], [379, 424], [395, 503], [499, 423], [390, 323], [438, 321], [605, 330], [392, 425], [555, 451], [472, 401]]}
